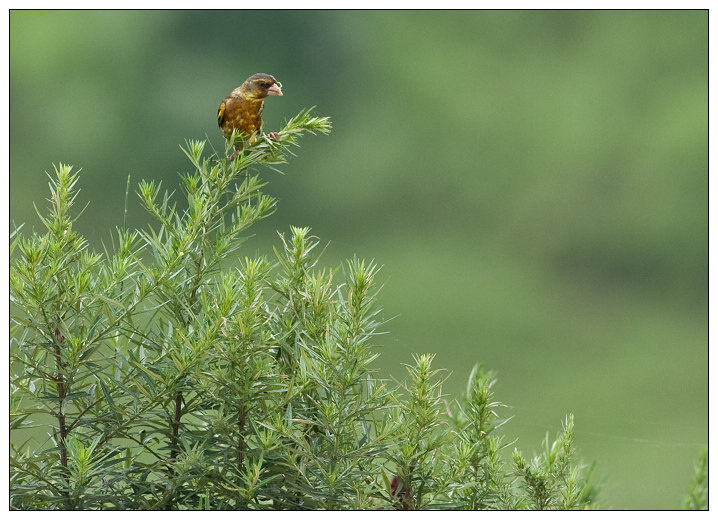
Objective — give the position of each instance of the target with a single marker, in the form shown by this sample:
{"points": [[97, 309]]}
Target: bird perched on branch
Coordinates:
{"points": [[242, 109]]}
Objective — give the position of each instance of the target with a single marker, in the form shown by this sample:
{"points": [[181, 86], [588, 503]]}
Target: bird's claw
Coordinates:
{"points": [[274, 136]]}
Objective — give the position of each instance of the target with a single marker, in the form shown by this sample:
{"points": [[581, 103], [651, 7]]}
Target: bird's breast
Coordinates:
{"points": [[243, 115]]}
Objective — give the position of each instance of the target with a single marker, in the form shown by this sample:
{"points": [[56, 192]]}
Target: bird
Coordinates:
{"points": [[242, 109]]}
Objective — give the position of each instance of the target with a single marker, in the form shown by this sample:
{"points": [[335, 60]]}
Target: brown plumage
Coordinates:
{"points": [[242, 109]]}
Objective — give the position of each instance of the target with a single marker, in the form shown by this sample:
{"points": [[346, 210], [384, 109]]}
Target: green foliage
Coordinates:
{"points": [[697, 496], [550, 480], [170, 374]]}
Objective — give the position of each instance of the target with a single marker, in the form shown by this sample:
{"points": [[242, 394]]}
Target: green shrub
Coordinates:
{"points": [[167, 373]]}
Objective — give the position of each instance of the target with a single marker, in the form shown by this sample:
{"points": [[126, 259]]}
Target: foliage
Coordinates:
{"points": [[697, 496], [167, 374]]}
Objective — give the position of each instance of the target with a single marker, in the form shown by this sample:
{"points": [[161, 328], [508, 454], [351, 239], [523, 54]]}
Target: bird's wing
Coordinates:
{"points": [[220, 114]]}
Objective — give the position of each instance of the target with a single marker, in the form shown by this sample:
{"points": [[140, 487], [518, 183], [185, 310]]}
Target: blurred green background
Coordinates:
{"points": [[534, 183]]}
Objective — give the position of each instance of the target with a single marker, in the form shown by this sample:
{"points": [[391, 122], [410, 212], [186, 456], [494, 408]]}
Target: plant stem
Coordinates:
{"points": [[174, 441], [241, 421], [174, 436], [61, 394]]}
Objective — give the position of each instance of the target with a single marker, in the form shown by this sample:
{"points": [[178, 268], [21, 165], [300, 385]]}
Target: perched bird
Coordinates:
{"points": [[242, 109]]}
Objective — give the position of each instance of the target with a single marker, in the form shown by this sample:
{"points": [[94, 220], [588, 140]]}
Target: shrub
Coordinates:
{"points": [[167, 373]]}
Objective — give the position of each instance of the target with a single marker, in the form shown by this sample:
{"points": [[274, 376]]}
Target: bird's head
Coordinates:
{"points": [[259, 86]]}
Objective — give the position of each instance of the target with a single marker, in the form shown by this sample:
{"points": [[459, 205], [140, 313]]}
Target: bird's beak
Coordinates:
{"points": [[274, 90]]}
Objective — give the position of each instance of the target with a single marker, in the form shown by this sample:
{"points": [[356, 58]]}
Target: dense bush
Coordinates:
{"points": [[169, 374]]}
